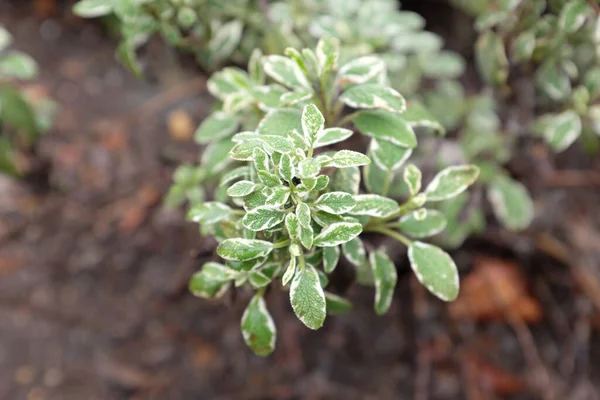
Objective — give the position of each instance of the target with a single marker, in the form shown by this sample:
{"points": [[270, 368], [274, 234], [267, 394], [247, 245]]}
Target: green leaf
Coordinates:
{"points": [[93, 8], [279, 144], [286, 167], [386, 125], [374, 205], [279, 196], [307, 236], [573, 16], [322, 183], [511, 203], [255, 199], [243, 249], [243, 151], [285, 71], [387, 155], [491, 59], [332, 135], [435, 269], [212, 281], [412, 178], [336, 304], [346, 180], [553, 80], [258, 280], [18, 65], [255, 69], [423, 223], [295, 97], [241, 189], [227, 82], [280, 121], [303, 214], [563, 130], [17, 113], [308, 168], [347, 159], [417, 116], [444, 64], [258, 328], [451, 182], [217, 125], [234, 174], [225, 40], [5, 38], [328, 52], [7, 161], [371, 95], [312, 122], [523, 46], [338, 233], [335, 202], [209, 213], [307, 297], [361, 70], [292, 225], [268, 96], [215, 156], [262, 218], [384, 272], [289, 272], [269, 179], [331, 256], [261, 159]]}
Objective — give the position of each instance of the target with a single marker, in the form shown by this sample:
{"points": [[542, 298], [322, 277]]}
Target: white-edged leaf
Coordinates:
{"points": [[335, 202], [435, 269], [268, 96], [280, 121], [412, 178], [511, 203], [18, 65], [372, 95], [286, 167], [216, 126], [263, 217], [336, 304], [241, 189], [361, 70], [225, 40], [243, 249], [451, 182], [386, 125], [285, 71], [303, 214], [338, 233], [261, 159], [278, 197], [384, 273], [312, 122], [423, 223], [346, 180], [331, 256], [387, 155], [227, 82], [289, 272], [269, 179], [308, 168], [292, 225], [212, 281], [327, 52], [374, 205], [307, 297], [307, 236], [573, 15], [332, 135], [417, 116], [347, 159], [236, 173], [93, 8], [258, 328], [209, 213], [563, 130], [295, 97]]}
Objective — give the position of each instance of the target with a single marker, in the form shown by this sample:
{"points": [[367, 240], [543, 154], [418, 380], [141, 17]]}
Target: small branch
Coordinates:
{"points": [[388, 232]]}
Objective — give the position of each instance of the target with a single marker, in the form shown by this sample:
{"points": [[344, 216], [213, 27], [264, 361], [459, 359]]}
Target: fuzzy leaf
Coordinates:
{"points": [[258, 328], [435, 269], [285, 71], [268, 96], [286, 167], [307, 236], [331, 256], [336, 304], [280, 144], [308, 168], [212, 281], [553, 80], [451, 182], [335, 202], [511, 203], [361, 70], [261, 159], [228, 81], [93, 8], [18, 65], [331, 136], [384, 272], [491, 59], [279, 122], [307, 297], [303, 214], [386, 125], [209, 213], [563, 130], [243, 249], [338, 233], [328, 51], [354, 251], [387, 155], [423, 223], [348, 158], [346, 180], [523, 46], [372, 95], [225, 40], [269, 179], [243, 151], [417, 116], [237, 173], [295, 97], [292, 225], [258, 280], [312, 122], [241, 189], [374, 205], [261, 218], [278, 197], [289, 272], [412, 177]]}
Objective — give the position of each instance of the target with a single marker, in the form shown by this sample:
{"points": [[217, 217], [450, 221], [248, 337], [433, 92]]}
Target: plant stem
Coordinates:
{"points": [[302, 262], [281, 244], [388, 232], [347, 119]]}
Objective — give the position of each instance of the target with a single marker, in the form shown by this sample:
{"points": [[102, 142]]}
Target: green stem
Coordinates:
{"points": [[281, 244], [386, 184], [347, 119], [302, 262], [388, 232]]}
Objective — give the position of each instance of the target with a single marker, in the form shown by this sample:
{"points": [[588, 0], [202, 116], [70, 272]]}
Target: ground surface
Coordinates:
{"points": [[93, 272]]}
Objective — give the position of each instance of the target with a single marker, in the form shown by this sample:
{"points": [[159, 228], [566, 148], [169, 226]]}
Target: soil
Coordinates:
{"points": [[93, 271]]}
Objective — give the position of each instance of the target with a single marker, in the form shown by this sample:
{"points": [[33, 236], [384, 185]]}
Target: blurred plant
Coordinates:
{"points": [[290, 209], [24, 114], [558, 41]]}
